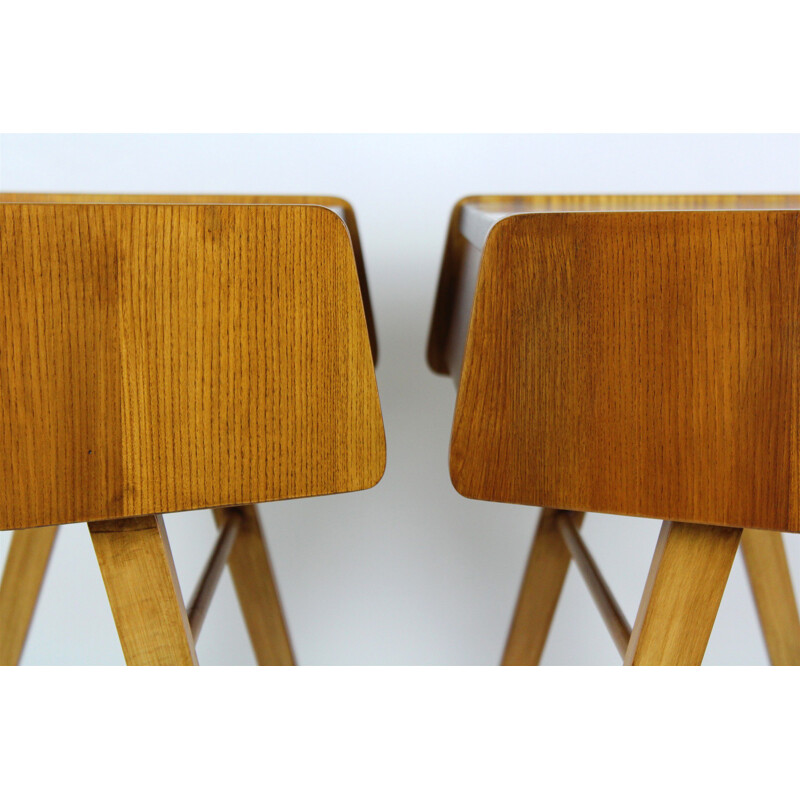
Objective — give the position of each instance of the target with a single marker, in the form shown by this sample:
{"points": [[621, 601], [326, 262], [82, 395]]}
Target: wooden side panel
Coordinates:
{"points": [[451, 286], [164, 357], [447, 290], [639, 364], [200, 199]]}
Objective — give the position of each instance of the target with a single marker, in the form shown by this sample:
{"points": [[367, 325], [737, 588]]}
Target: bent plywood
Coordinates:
{"points": [[637, 355], [164, 356]]}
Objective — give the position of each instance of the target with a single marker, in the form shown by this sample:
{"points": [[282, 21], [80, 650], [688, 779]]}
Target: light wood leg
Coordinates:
{"points": [[255, 586], [541, 588], [684, 588], [765, 558], [26, 564], [139, 574]]}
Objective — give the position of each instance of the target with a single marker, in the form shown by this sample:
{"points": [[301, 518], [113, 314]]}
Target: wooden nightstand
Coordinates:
{"points": [[638, 356], [164, 353]]}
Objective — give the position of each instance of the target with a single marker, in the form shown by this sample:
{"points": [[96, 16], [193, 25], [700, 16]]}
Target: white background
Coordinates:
{"points": [[409, 572]]}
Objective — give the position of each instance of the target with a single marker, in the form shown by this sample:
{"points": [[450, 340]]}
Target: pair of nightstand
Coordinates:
{"points": [[630, 355]]}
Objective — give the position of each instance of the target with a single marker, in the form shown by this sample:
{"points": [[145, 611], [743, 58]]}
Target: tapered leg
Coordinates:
{"points": [[255, 586], [139, 574], [26, 564], [684, 588], [541, 588], [771, 583]]}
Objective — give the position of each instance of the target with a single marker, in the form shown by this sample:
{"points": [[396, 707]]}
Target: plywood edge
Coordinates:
{"points": [[355, 241], [449, 276], [461, 476]]}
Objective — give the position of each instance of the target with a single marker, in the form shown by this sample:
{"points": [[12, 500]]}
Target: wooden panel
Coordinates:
{"points": [[23, 575], [456, 287], [771, 583], [165, 357], [139, 575], [321, 200], [450, 283], [638, 364], [681, 598]]}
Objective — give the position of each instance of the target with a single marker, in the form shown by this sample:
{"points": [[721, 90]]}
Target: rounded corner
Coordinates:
{"points": [[326, 212], [343, 202], [377, 477], [455, 468], [498, 226]]}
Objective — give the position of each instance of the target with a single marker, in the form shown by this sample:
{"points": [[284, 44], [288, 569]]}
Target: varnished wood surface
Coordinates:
{"points": [[327, 201], [139, 575], [681, 598], [455, 286], [538, 597], [635, 363], [165, 357], [23, 575], [254, 581], [768, 570]]}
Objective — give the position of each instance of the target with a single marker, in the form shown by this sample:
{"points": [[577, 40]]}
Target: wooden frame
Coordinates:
{"points": [[174, 352], [632, 355]]}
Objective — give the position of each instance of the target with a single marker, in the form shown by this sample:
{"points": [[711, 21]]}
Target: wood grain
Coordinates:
{"points": [[256, 589], [636, 363], [455, 289], [684, 588], [328, 201], [25, 567], [768, 570], [538, 597], [162, 357], [139, 575]]}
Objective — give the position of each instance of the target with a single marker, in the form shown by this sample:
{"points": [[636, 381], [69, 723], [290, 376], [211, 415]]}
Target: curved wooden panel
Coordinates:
{"points": [[455, 289], [161, 357], [327, 201], [636, 363]]}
